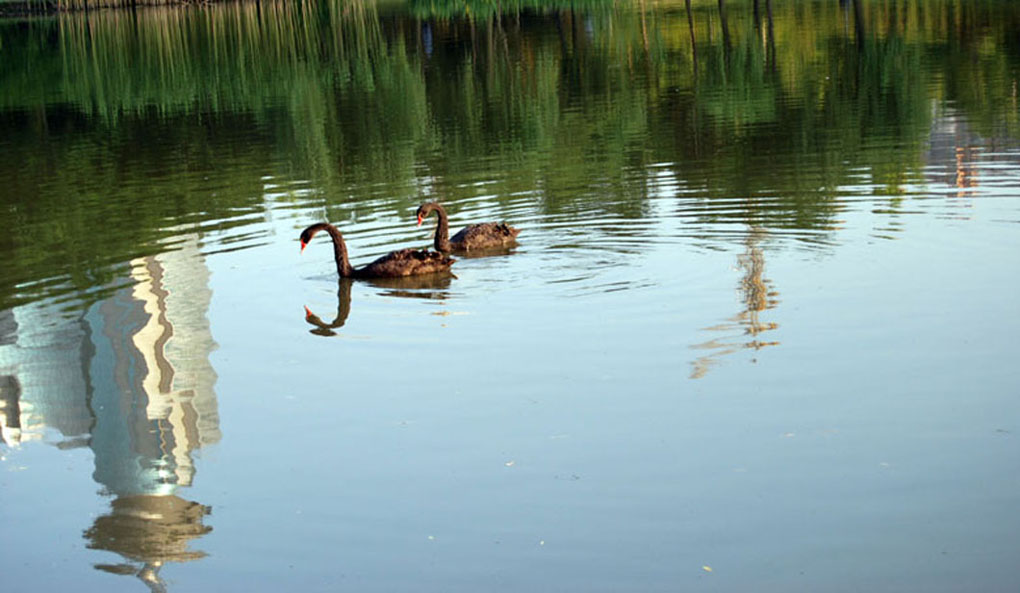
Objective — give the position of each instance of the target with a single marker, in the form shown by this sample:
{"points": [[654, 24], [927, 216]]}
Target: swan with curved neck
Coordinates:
{"points": [[486, 235], [404, 262]]}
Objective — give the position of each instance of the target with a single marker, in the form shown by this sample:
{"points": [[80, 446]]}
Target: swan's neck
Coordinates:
{"points": [[442, 241], [343, 308], [343, 265]]}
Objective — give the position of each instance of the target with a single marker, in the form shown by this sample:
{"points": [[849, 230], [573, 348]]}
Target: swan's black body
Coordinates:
{"points": [[405, 262], [486, 235]]}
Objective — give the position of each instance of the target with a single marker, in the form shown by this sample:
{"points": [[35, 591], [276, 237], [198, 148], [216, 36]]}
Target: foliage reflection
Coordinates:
{"points": [[784, 103]]}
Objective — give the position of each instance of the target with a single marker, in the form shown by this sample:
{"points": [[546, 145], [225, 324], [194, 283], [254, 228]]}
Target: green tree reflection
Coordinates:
{"points": [[114, 123]]}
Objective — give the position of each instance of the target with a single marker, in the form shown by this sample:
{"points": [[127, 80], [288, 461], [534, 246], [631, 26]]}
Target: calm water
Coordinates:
{"points": [[759, 334]]}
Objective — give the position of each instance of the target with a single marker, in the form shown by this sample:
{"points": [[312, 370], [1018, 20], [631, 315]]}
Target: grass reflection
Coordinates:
{"points": [[135, 121], [746, 329]]}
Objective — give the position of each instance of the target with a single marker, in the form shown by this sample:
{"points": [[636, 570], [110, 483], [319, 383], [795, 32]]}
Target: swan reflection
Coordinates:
{"points": [[343, 309], [428, 286], [488, 252]]}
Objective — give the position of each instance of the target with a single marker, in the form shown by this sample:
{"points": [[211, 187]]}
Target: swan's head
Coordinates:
{"points": [[308, 233], [306, 236], [425, 209]]}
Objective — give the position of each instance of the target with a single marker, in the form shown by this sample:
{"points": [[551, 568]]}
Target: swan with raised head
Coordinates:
{"points": [[486, 235]]}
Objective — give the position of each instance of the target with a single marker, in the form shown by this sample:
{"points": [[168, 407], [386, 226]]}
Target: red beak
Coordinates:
{"points": [[303, 245], [308, 312], [419, 220]]}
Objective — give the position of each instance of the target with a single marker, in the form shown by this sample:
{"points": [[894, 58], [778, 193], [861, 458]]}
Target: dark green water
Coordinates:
{"points": [[759, 332]]}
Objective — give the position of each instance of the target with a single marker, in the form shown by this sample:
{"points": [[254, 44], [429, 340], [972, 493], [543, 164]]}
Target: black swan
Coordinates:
{"points": [[405, 262], [486, 235]]}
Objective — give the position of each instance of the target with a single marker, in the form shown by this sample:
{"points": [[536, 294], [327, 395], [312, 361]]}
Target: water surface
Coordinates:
{"points": [[759, 331]]}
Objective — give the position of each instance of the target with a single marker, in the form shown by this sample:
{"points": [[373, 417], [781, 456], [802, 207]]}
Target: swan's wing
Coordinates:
{"points": [[487, 234], [407, 262]]}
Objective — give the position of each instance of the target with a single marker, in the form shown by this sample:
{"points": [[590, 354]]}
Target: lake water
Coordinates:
{"points": [[759, 332]]}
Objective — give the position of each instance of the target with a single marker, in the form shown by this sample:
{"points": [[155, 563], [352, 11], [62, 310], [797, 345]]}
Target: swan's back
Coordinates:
{"points": [[406, 262], [484, 235]]}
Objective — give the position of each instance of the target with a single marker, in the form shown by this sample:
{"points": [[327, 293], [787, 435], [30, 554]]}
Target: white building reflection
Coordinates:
{"points": [[131, 379], [150, 378]]}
